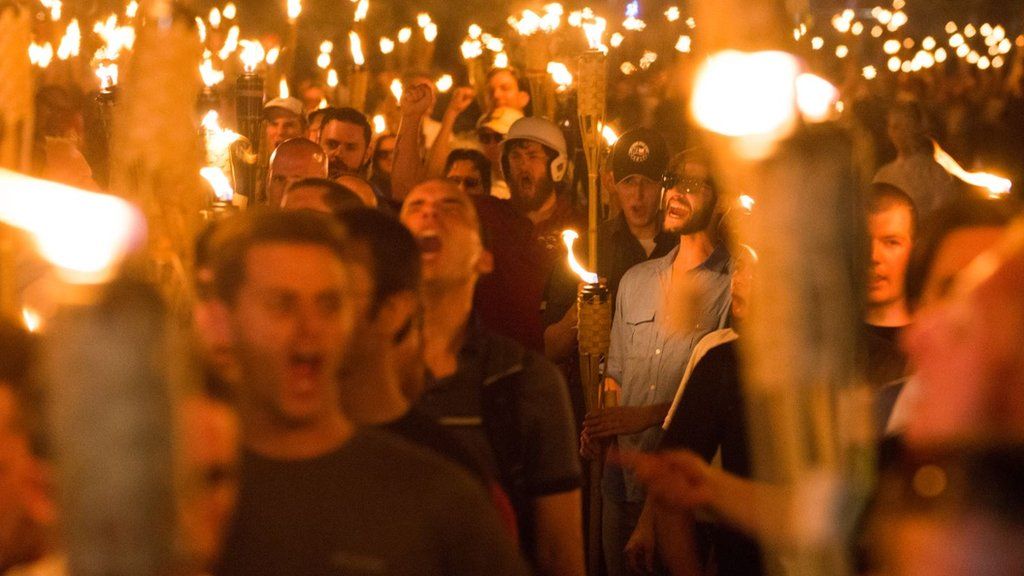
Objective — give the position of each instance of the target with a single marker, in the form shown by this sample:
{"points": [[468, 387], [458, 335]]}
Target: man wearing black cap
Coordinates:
{"points": [[638, 162]]}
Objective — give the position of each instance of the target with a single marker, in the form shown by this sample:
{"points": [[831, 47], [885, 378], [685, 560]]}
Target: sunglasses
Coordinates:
{"points": [[489, 137], [685, 184]]}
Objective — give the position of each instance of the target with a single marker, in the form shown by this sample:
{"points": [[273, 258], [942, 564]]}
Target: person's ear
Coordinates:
{"points": [[485, 263], [524, 99]]}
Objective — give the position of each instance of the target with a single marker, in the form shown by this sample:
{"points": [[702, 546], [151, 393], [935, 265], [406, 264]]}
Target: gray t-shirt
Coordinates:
{"points": [[376, 505]]}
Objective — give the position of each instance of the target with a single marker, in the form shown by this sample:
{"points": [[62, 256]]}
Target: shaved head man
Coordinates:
{"points": [[293, 160]]}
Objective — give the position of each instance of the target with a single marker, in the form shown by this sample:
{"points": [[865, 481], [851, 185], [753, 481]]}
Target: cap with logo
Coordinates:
{"points": [[293, 105], [640, 151]]}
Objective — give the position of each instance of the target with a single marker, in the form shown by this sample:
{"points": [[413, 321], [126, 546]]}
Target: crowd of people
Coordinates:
{"points": [[389, 333]]}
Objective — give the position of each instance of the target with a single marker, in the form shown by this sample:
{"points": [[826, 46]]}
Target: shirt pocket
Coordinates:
{"points": [[641, 330]]}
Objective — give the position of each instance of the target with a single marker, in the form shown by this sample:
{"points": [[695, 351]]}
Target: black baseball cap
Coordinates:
{"points": [[640, 151]]}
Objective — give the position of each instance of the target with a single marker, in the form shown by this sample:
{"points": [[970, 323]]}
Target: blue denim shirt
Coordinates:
{"points": [[648, 356]]}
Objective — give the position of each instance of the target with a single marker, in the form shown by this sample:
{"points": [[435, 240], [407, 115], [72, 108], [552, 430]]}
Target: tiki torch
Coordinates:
{"points": [[359, 79], [249, 108], [224, 148], [590, 97], [593, 302], [106, 99]]}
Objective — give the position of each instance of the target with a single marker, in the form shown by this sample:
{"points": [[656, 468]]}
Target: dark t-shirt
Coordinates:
{"points": [[376, 505], [884, 366], [712, 415], [531, 444]]}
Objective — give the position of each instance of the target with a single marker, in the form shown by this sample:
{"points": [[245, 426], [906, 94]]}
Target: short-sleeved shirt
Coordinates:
{"points": [[375, 506], [542, 438], [647, 356]]}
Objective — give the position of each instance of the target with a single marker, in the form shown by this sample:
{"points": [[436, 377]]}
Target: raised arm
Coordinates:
{"points": [[408, 169], [461, 99]]}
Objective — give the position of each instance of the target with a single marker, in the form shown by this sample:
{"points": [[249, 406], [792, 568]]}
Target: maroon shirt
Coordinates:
{"points": [[508, 301]]}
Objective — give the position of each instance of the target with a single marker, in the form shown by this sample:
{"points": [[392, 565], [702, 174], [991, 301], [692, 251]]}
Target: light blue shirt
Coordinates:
{"points": [[647, 356]]}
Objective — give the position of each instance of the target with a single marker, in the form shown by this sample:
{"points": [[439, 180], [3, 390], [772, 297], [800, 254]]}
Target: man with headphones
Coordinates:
{"points": [[534, 162]]}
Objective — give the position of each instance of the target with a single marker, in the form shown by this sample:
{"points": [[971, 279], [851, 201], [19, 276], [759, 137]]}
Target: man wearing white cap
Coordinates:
{"points": [[285, 120]]}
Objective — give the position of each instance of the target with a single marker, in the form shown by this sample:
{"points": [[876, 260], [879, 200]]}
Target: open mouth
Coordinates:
{"points": [[306, 365], [677, 210], [429, 244]]}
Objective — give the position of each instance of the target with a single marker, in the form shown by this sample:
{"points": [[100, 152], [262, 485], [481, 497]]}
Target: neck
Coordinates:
{"points": [[267, 436], [645, 232], [447, 311], [371, 395], [694, 249], [545, 211], [889, 315]]}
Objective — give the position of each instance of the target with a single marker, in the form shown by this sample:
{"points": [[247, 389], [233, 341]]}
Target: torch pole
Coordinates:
{"points": [[595, 323], [249, 115], [590, 94]]}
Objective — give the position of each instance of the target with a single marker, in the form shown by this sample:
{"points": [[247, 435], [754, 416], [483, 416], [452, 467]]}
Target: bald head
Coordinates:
{"points": [[360, 186], [293, 160]]}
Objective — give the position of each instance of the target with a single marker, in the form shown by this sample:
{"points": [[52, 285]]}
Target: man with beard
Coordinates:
{"points": [[534, 161], [638, 161], [345, 135], [665, 306]]}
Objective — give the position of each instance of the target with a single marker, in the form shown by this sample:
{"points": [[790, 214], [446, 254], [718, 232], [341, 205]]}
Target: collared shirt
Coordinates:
{"points": [[648, 355], [619, 250]]}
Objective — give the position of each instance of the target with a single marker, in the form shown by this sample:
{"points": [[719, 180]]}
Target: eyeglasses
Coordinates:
{"points": [[685, 184], [489, 137]]}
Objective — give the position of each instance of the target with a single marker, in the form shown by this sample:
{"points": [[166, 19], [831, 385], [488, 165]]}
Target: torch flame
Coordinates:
{"points": [[230, 44], [201, 26], [218, 139], [71, 42], [84, 234], [560, 74], [569, 237], [31, 319], [294, 9], [332, 78], [997, 187], [422, 19], [445, 83], [107, 73], [40, 54], [396, 89], [471, 49], [380, 124], [132, 9], [593, 28], [501, 60], [230, 11], [430, 32], [282, 88], [214, 18], [361, 9], [211, 76], [272, 55], [356, 46], [54, 6], [252, 54], [387, 45], [608, 133], [404, 35], [219, 182]]}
